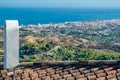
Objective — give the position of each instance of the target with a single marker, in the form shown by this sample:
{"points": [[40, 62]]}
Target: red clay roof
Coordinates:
{"points": [[63, 71]]}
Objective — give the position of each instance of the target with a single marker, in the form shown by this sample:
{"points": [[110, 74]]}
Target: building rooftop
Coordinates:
{"points": [[81, 70]]}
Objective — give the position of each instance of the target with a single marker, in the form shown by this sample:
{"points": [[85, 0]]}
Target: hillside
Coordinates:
{"points": [[95, 39], [93, 34]]}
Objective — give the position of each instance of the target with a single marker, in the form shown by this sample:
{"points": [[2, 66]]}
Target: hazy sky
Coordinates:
{"points": [[61, 3]]}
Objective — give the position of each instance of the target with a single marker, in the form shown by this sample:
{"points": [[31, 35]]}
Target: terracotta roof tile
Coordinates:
{"points": [[94, 69], [113, 79], [48, 71], [101, 78], [82, 79], [101, 75], [111, 76], [70, 78], [93, 77], [108, 69], [111, 72], [79, 76]]}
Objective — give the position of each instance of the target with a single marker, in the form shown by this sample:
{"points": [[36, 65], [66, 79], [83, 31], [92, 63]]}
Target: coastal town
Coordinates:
{"points": [[96, 23], [97, 29]]}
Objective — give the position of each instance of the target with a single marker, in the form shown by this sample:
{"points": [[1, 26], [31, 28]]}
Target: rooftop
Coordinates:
{"points": [[81, 70]]}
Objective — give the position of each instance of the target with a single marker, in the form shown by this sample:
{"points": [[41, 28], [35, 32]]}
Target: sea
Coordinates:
{"points": [[56, 15]]}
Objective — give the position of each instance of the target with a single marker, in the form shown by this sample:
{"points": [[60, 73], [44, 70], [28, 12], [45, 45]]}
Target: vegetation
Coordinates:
{"points": [[35, 48], [96, 40], [30, 53], [86, 54]]}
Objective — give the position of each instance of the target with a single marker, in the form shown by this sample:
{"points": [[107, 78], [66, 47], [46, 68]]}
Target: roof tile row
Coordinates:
{"points": [[76, 71]]}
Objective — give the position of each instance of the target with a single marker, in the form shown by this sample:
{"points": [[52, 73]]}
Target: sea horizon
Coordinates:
{"points": [[57, 15]]}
